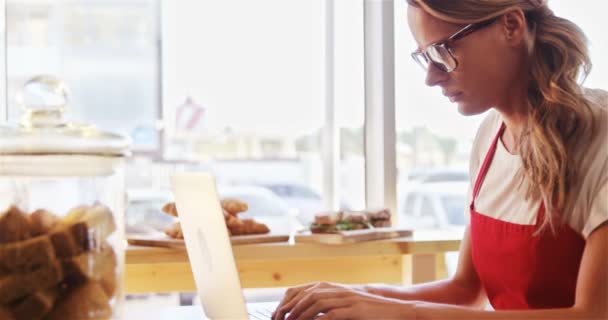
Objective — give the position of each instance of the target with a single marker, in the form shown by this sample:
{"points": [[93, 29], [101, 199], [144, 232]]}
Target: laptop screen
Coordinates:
{"points": [[208, 246]]}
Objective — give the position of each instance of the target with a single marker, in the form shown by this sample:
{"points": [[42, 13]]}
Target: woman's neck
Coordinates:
{"points": [[514, 114], [514, 126]]}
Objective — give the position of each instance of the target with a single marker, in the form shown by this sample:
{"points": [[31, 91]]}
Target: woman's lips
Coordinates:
{"points": [[454, 97]]}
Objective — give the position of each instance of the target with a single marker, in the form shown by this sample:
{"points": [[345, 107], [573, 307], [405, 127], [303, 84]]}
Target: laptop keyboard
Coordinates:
{"points": [[265, 314], [260, 314]]}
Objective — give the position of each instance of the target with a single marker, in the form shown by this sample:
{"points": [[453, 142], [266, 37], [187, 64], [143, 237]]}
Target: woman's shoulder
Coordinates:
{"points": [[599, 109], [598, 97], [591, 156], [589, 201]]}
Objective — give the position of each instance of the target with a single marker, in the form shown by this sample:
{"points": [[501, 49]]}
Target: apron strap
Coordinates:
{"points": [[486, 164]]}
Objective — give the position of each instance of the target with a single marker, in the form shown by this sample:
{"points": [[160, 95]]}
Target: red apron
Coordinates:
{"points": [[520, 270]]}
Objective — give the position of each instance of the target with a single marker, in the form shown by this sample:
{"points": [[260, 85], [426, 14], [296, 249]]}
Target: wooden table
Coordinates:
{"points": [[414, 259], [165, 313]]}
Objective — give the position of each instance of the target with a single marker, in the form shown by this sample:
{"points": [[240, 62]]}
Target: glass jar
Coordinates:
{"points": [[62, 203]]}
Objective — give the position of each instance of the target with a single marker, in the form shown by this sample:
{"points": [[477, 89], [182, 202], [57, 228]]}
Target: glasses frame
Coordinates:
{"points": [[421, 55]]}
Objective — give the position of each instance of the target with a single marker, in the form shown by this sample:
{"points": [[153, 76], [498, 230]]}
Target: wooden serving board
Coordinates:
{"points": [[162, 240], [346, 237]]}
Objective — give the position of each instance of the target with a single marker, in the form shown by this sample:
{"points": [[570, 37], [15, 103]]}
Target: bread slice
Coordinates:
{"points": [[18, 285], [36, 305], [328, 218], [13, 226], [27, 255], [109, 283], [6, 314], [98, 219], [88, 301], [42, 221], [380, 218], [70, 239], [92, 266]]}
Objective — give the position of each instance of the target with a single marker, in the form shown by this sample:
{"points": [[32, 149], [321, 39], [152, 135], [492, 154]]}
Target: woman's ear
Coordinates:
{"points": [[514, 27]]}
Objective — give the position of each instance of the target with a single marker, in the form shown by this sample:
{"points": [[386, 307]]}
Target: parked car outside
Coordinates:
{"points": [[434, 205], [301, 198], [438, 175], [304, 199], [143, 212]]}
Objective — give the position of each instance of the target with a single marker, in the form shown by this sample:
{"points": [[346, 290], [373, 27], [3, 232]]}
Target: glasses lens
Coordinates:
{"points": [[441, 58], [421, 59]]}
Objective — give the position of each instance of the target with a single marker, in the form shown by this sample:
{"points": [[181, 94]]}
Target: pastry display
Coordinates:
{"points": [[231, 209]]}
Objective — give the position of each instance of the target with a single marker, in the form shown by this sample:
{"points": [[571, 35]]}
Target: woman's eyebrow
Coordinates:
{"points": [[442, 39], [419, 49]]}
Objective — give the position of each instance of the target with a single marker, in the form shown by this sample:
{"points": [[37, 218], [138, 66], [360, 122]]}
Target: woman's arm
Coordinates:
{"points": [[341, 302], [591, 292], [463, 289]]}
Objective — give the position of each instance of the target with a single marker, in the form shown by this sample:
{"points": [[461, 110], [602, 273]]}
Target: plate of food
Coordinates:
{"points": [[344, 227], [241, 231]]}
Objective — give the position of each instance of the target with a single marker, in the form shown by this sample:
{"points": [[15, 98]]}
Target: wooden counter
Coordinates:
{"points": [[414, 259]]}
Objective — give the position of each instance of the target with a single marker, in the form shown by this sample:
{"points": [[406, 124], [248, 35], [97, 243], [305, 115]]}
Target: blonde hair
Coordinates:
{"points": [[559, 115]]}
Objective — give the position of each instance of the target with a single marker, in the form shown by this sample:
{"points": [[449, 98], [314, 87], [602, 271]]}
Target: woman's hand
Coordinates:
{"points": [[337, 301], [294, 294]]}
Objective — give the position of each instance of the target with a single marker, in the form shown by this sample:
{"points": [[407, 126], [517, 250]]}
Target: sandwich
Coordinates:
{"points": [[326, 222], [337, 221], [379, 218]]}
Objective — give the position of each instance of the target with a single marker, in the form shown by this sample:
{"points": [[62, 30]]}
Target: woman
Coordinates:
{"points": [[537, 243]]}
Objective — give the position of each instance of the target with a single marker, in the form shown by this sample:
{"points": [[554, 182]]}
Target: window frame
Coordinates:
{"points": [[3, 63], [380, 129]]}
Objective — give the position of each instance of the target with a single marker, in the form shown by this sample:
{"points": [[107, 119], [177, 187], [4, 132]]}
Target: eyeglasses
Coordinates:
{"points": [[439, 53]]}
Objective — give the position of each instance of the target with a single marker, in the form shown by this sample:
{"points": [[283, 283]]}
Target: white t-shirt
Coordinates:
{"points": [[502, 195]]}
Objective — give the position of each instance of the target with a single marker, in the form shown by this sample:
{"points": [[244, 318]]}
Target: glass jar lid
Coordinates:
{"points": [[43, 129]]}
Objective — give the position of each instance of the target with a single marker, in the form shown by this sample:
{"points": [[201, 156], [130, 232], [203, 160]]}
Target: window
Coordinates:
{"points": [[252, 102], [3, 110], [453, 208], [247, 103], [106, 51], [410, 202]]}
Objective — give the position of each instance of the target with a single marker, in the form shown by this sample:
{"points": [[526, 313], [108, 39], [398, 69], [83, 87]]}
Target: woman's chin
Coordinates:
{"points": [[468, 109]]}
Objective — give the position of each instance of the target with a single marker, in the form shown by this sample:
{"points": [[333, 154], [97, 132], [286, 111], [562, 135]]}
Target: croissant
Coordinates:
{"points": [[170, 209], [234, 206], [175, 231], [230, 209], [249, 227], [232, 221]]}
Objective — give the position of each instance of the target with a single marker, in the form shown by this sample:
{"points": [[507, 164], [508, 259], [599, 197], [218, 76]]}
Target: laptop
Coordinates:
{"points": [[210, 252]]}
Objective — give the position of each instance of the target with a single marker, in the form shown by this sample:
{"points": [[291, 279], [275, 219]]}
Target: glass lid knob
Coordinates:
{"points": [[44, 99]]}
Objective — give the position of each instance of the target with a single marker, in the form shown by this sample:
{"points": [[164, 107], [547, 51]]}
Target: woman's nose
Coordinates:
{"points": [[434, 76]]}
